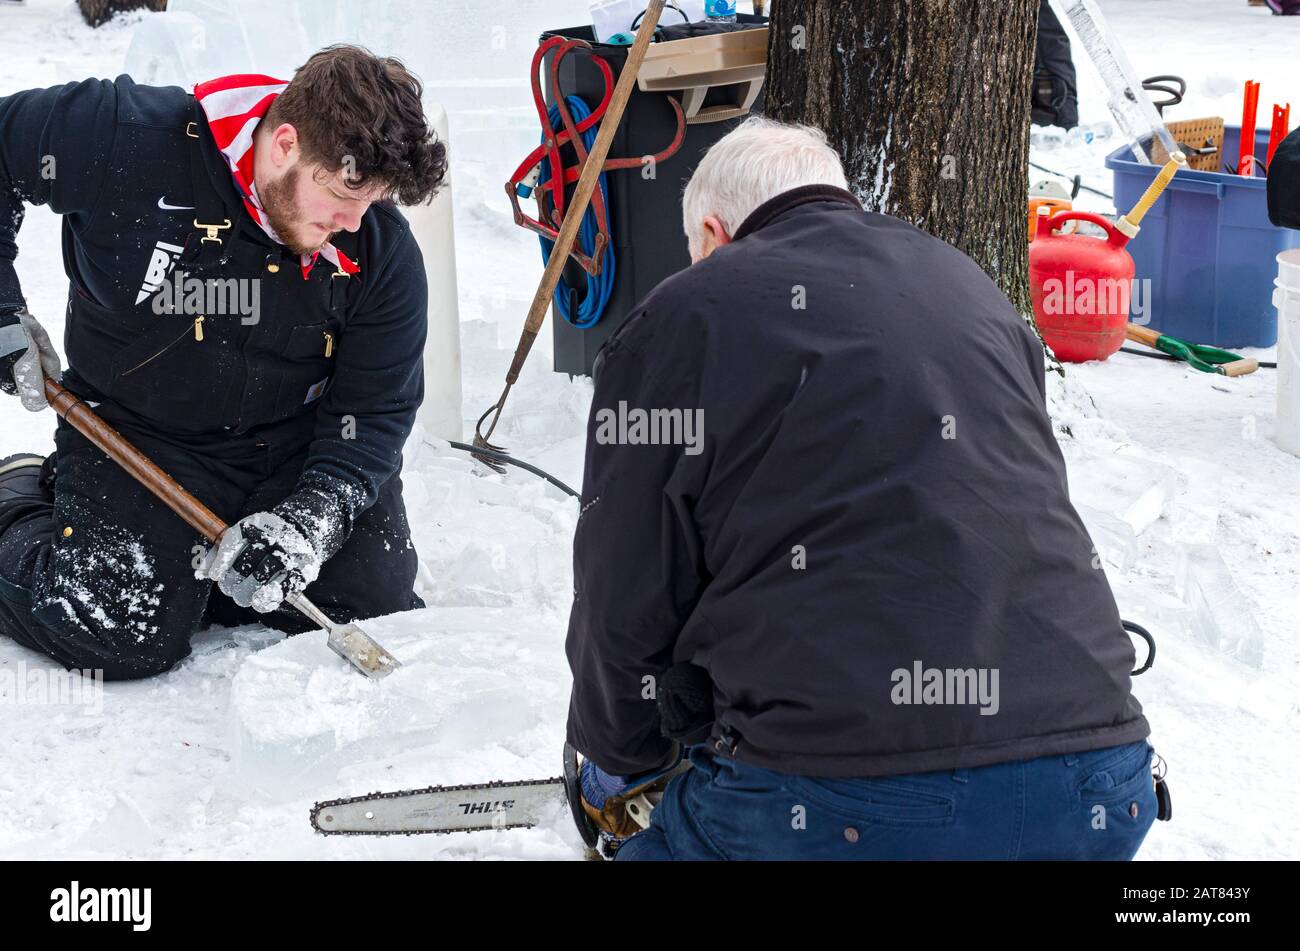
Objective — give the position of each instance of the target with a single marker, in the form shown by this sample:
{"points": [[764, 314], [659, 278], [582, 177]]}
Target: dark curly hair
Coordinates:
{"points": [[354, 108]]}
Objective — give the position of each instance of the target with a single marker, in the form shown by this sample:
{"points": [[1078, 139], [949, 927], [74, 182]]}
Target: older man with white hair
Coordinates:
{"points": [[857, 595]]}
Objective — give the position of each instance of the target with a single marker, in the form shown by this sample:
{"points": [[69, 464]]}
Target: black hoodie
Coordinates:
{"points": [[1284, 183]]}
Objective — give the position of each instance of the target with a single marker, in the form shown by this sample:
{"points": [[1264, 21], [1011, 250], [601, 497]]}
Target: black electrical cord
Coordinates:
{"points": [[1143, 633], [502, 457], [1268, 364], [670, 5], [1175, 87]]}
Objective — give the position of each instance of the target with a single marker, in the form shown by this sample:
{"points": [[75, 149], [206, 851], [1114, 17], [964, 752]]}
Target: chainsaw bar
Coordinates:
{"points": [[441, 810], [476, 807]]}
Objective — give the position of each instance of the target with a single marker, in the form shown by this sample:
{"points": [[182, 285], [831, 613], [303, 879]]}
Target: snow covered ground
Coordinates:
{"points": [[223, 757]]}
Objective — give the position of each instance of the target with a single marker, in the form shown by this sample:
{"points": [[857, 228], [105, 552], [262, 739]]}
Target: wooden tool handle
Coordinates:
{"points": [[1143, 335], [591, 170], [1240, 367], [80, 416]]}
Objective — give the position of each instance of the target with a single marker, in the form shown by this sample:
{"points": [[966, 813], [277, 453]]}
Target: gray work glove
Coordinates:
{"points": [[26, 358], [269, 556], [261, 560]]}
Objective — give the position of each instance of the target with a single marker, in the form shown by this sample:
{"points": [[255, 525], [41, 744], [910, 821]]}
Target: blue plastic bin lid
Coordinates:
{"points": [[1189, 179]]}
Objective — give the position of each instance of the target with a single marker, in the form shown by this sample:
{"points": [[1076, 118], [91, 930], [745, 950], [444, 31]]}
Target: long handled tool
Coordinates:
{"points": [[1278, 130], [347, 640], [1199, 356], [1246, 149], [591, 169]]}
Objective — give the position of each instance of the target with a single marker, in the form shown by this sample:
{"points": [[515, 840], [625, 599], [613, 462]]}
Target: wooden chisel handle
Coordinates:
{"points": [[82, 418], [1144, 335]]}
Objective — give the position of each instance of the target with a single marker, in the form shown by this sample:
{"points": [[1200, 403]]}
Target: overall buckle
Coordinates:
{"points": [[212, 230]]}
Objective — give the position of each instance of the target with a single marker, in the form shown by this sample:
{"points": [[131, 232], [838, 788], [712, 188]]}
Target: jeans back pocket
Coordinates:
{"points": [[1114, 774], [893, 801]]}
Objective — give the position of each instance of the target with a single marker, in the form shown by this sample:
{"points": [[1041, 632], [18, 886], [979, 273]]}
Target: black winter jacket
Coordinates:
{"points": [[333, 363], [1284, 183], [878, 494]]}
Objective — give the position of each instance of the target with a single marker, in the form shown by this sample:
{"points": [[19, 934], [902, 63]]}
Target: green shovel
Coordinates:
{"points": [[1204, 358]]}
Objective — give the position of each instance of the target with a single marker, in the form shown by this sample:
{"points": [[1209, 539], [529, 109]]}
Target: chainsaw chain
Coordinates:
{"points": [[406, 793]]}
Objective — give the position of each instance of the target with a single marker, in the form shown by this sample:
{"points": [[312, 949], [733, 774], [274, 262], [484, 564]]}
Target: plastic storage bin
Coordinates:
{"points": [[718, 83], [1208, 249]]}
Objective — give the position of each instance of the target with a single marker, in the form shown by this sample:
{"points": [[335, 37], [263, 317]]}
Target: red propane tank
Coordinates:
{"points": [[1080, 285]]}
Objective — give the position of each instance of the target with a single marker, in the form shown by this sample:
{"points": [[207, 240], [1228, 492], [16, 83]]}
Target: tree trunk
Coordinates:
{"points": [[99, 12], [928, 103]]}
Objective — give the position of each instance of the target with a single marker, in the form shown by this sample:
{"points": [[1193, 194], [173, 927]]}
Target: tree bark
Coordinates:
{"points": [[99, 12], [927, 101]]}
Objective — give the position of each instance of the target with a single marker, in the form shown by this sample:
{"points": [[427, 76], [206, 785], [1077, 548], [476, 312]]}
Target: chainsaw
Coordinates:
{"points": [[481, 807]]}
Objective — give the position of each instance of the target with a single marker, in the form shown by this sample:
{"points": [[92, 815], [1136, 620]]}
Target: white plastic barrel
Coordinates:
{"points": [[1286, 297], [433, 228]]}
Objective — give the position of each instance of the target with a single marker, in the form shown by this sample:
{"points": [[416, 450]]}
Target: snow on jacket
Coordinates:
{"points": [[334, 362], [870, 549]]}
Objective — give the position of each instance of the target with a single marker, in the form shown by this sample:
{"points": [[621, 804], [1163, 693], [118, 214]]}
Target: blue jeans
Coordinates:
{"points": [[1093, 805]]}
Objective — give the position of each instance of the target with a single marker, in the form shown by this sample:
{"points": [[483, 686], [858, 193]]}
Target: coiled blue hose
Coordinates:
{"points": [[600, 287]]}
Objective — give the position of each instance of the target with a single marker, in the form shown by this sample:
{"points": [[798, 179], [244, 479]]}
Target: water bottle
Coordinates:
{"points": [[720, 11]]}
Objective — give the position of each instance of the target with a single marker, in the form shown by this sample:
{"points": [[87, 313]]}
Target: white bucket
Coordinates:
{"points": [[1286, 298]]}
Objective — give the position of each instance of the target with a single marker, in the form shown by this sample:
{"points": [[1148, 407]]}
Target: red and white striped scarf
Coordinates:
{"points": [[234, 105]]}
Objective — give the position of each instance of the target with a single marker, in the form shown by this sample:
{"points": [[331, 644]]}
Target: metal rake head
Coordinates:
{"points": [[481, 440]]}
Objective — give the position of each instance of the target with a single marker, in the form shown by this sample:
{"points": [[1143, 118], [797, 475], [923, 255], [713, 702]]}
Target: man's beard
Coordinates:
{"points": [[283, 216]]}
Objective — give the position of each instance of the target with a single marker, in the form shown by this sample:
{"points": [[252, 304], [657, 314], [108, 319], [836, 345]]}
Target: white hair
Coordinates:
{"points": [[756, 161]]}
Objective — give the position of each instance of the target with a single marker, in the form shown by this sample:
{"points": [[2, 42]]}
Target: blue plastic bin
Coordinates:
{"points": [[1208, 248]]}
